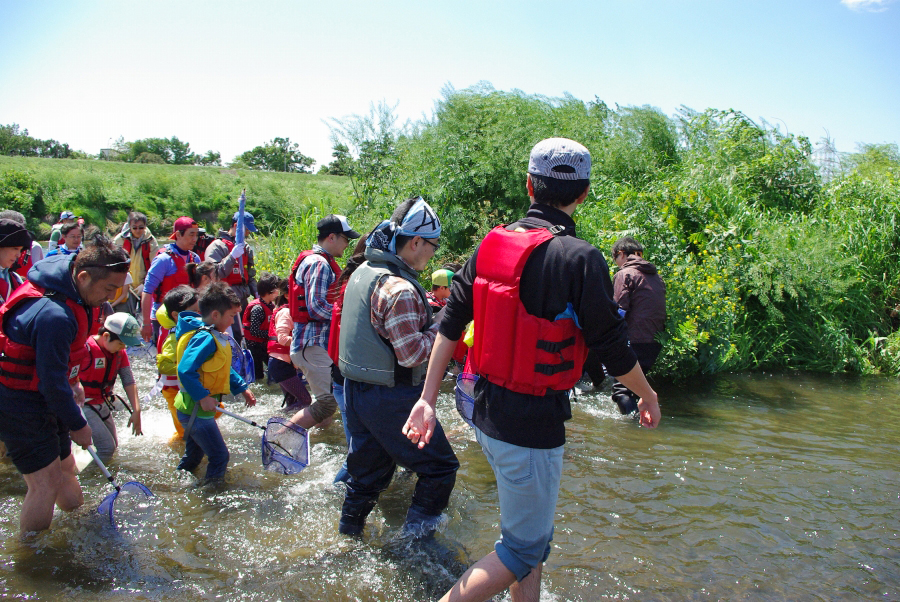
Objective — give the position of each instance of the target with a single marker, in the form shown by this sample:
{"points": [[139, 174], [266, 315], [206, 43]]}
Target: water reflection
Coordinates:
{"points": [[763, 486]]}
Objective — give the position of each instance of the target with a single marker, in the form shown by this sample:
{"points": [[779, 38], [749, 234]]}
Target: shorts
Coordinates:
{"points": [[528, 486], [34, 440], [280, 370]]}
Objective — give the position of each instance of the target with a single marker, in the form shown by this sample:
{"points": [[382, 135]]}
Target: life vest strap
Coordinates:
{"points": [[555, 346], [16, 360], [551, 369], [15, 375], [94, 384]]}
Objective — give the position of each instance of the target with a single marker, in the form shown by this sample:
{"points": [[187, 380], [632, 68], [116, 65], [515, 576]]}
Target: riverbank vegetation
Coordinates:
{"points": [[772, 260]]}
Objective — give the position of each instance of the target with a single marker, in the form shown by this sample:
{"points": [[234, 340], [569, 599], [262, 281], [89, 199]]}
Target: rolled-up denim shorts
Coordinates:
{"points": [[528, 487]]}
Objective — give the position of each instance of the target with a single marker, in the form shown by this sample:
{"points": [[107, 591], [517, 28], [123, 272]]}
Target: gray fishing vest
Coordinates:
{"points": [[364, 355]]}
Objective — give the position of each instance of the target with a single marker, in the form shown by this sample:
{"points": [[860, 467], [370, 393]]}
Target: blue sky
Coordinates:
{"points": [[228, 76]]}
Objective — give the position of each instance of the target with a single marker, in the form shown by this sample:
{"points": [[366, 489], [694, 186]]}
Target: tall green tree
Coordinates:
{"points": [[181, 152], [279, 154], [152, 146], [211, 158], [372, 139], [342, 164]]}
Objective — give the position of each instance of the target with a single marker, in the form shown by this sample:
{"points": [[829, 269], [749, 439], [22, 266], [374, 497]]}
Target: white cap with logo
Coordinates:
{"points": [[125, 327], [560, 158]]}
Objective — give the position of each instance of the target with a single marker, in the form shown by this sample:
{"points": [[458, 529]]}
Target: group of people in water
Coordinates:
{"points": [[366, 340]]}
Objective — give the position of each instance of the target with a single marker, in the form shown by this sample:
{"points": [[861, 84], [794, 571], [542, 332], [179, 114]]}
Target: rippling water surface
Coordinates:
{"points": [[754, 487]]}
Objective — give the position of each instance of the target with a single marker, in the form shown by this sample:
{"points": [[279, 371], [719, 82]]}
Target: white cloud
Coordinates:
{"points": [[874, 6]]}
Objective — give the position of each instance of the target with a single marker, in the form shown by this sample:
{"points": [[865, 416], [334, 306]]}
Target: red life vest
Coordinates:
{"points": [[7, 289], [178, 278], [514, 349], [297, 292], [237, 276], [99, 371], [203, 241], [145, 251], [460, 352], [25, 262], [273, 346], [17, 361], [100, 315], [265, 326], [334, 335]]}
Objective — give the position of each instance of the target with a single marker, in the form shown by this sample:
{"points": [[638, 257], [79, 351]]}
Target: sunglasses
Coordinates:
{"points": [[436, 245], [105, 265]]}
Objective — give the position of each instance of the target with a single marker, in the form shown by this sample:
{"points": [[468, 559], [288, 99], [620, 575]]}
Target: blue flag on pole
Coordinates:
{"points": [[240, 234], [242, 206]]}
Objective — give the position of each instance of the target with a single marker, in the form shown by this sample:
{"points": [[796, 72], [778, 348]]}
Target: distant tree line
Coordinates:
{"points": [[278, 154], [159, 150], [17, 142]]}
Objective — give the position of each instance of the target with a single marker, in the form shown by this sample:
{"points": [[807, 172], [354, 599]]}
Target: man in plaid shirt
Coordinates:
{"points": [[314, 276], [387, 331]]}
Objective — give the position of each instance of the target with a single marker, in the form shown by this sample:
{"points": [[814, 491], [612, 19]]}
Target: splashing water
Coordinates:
{"points": [[753, 486]]}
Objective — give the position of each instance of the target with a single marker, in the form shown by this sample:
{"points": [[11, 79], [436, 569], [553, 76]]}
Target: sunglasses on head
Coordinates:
{"points": [[105, 265]]}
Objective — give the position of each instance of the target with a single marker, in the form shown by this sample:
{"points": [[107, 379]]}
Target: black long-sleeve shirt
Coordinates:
{"points": [[566, 271]]}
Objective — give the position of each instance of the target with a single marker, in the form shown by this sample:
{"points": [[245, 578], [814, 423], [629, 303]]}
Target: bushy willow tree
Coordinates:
{"points": [[767, 267]]}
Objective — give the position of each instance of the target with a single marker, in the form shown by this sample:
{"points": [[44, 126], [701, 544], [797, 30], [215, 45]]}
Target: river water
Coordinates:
{"points": [[763, 487]]}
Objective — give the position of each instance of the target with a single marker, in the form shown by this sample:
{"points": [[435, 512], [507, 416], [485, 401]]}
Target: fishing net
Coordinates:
{"points": [[465, 395], [285, 446], [132, 496]]}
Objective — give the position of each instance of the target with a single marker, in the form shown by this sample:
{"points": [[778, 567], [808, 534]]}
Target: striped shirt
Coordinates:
{"points": [[399, 315]]}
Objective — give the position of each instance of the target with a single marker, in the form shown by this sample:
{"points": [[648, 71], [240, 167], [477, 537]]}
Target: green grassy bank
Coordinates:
{"points": [[103, 192]]}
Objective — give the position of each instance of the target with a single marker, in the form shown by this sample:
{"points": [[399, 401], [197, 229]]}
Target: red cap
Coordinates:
{"points": [[183, 223]]}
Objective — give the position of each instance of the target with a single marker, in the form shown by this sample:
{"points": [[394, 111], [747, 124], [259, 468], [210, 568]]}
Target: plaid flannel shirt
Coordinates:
{"points": [[315, 273], [399, 315]]}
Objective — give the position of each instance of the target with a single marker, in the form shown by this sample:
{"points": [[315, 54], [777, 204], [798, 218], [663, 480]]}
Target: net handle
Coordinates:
{"points": [[241, 418], [103, 469]]}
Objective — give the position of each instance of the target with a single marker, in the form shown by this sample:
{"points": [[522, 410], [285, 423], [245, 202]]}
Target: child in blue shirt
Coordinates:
{"points": [[203, 353]]}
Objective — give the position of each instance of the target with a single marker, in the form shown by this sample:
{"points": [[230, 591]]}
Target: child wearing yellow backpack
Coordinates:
{"points": [[203, 353], [179, 299]]}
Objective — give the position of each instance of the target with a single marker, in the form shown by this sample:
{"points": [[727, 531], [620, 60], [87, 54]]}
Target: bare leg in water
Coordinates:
{"points": [[488, 577], [54, 484]]}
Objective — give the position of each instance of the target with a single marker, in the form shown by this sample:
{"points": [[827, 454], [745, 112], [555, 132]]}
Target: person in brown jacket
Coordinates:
{"points": [[641, 294]]}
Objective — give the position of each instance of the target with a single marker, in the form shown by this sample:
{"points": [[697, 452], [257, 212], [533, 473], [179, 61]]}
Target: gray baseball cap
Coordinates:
{"points": [[560, 158]]}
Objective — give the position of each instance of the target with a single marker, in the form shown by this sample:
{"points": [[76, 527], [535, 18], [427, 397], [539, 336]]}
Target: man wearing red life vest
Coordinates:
{"points": [[540, 297], [49, 318], [168, 271], [312, 274], [236, 267]]}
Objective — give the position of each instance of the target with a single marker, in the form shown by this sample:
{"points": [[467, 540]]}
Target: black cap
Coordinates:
{"points": [[336, 224], [14, 234]]}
